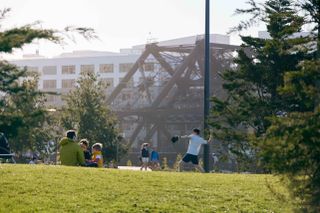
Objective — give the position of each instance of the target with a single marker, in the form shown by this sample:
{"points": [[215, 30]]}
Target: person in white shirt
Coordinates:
{"points": [[195, 142]]}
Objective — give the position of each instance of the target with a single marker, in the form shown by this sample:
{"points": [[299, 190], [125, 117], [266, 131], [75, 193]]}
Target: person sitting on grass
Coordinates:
{"points": [[84, 144], [71, 153], [97, 158], [144, 156]]}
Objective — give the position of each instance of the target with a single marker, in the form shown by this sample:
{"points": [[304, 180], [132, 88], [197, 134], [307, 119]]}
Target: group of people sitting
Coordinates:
{"points": [[149, 157], [79, 154]]}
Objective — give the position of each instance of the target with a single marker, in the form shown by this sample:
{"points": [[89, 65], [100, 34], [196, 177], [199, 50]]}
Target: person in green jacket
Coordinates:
{"points": [[71, 153]]}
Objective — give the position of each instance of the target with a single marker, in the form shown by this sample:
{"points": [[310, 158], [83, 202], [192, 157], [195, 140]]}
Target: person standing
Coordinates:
{"points": [[195, 142], [71, 153], [155, 159], [145, 156]]}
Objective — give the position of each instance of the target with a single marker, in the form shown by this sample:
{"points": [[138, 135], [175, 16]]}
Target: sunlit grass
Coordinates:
{"points": [[36, 188]]}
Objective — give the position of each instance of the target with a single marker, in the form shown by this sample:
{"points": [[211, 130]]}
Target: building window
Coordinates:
{"points": [[107, 82], [68, 69], [49, 70], [68, 83], [32, 69], [49, 84], [149, 66], [125, 67], [106, 68], [88, 68], [129, 83]]}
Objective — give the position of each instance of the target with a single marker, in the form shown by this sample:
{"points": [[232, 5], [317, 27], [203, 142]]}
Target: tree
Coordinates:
{"points": [[312, 16], [22, 113], [280, 116], [240, 120], [87, 112], [292, 143], [28, 105]]}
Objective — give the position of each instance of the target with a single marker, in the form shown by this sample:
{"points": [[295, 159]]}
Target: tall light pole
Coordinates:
{"points": [[206, 150]]}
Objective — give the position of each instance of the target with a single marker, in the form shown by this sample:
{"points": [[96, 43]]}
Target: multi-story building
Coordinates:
{"points": [[59, 74]]}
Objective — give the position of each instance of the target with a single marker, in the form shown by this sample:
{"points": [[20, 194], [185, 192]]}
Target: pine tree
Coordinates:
{"points": [[252, 87], [292, 143], [22, 112], [274, 97]]}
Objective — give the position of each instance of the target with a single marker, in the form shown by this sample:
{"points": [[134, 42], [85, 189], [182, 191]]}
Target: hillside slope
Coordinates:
{"points": [[39, 188]]}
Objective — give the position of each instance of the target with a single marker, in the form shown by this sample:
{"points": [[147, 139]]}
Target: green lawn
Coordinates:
{"points": [[37, 188]]}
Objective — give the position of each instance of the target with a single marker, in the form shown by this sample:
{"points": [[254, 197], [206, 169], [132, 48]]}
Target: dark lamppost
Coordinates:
{"points": [[206, 150]]}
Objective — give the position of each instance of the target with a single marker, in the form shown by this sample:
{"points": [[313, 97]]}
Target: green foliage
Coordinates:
{"points": [[23, 114], [63, 189], [292, 147], [292, 143], [87, 112], [252, 87], [29, 105], [9, 76], [23, 117], [272, 109]]}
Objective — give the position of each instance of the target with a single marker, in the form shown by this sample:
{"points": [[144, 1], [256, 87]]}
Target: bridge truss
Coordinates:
{"points": [[162, 94]]}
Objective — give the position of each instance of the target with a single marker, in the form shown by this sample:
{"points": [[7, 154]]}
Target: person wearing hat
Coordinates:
{"points": [[195, 142], [71, 153]]}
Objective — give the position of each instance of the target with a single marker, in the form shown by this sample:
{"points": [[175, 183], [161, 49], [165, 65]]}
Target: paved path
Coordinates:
{"points": [[135, 168]]}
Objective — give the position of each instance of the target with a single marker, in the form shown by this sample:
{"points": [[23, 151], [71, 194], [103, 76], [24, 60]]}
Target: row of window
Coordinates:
{"points": [[103, 68], [70, 83]]}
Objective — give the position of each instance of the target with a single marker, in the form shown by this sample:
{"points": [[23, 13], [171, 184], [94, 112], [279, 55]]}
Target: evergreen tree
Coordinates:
{"points": [[28, 105], [292, 143], [22, 112], [252, 86], [273, 104], [21, 104], [87, 112]]}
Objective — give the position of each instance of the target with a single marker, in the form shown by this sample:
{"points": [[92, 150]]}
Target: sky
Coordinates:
{"points": [[121, 23]]}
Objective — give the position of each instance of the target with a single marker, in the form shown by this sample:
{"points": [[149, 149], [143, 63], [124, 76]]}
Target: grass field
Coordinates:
{"points": [[39, 188]]}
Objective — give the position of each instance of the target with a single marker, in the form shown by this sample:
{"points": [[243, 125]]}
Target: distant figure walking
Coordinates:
{"points": [[70, 152], [145, 156], [155, 159], [195, 142]]}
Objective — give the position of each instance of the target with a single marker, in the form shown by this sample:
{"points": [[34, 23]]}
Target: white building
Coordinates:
{"points": [[266, 35], [59, 74]]}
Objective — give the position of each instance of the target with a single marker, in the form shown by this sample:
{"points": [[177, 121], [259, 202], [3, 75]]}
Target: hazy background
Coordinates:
{"points": [[122, 23]]}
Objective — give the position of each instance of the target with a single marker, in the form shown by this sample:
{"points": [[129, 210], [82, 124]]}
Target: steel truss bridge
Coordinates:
{"points": [[162, 94]]}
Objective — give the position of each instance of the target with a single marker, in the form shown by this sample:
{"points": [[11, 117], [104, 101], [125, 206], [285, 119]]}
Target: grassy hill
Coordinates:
{"points": [[39, 188]]}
